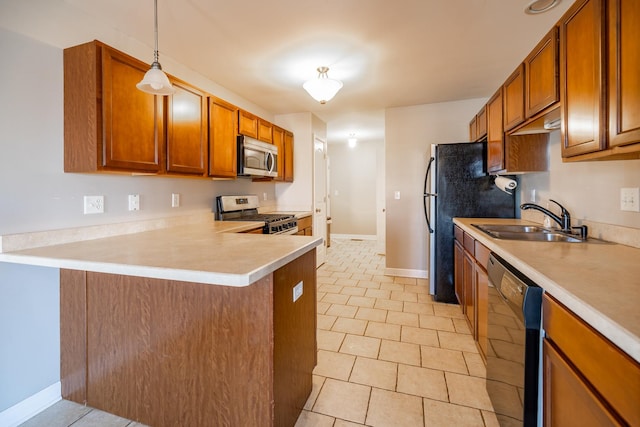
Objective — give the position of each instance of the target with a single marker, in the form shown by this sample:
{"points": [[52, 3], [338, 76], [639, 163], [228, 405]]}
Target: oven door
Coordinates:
{"points": [[256, 158]]}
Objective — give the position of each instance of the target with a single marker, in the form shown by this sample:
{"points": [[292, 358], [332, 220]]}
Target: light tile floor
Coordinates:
{"points": [[388, 355]]}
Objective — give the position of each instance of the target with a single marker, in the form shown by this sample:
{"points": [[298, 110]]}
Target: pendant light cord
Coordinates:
{"points": [[155, 25]]}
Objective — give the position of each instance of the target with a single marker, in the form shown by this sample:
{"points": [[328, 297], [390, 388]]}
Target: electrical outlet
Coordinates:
{"points": [[175, 200], [264, 196], [630, 199], [134, 202], [93, 204], [396, 195], [297, 291]]}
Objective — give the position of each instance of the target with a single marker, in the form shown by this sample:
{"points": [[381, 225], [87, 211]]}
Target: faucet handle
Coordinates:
{"points": [[562, 208]]}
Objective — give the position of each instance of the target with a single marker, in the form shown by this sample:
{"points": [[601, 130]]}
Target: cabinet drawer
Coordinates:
{"points": [[458, 233], [304, 222], [469, 244], [482, 254], [609, 370]]}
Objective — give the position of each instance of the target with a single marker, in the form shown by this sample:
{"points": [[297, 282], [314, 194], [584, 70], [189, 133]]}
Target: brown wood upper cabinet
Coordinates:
{"points": [[599, 78], [582, 55], [482, 123], [513, 102], [624, 74], [186, 130], [278, 141], [247, 124], [541, 75], [473, 129], [495, 134], [265, 131], [109, 125], [288, 156], [223, 122]]}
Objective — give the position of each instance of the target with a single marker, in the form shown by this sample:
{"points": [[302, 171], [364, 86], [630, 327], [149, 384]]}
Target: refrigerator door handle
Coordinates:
{"points": [[426, 213], [426, 194]]}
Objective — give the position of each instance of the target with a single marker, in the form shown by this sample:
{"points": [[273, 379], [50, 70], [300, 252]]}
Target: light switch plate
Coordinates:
{"points": [[93, 204], [134, 202], [297, 291], [630, 199]]}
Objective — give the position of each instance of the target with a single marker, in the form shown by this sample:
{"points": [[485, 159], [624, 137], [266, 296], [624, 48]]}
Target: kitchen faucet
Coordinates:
{"points": [[564, 221]]}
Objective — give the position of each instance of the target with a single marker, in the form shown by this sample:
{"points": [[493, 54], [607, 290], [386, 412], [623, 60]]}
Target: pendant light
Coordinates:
{"points": [[155, 81], [323, 88]]}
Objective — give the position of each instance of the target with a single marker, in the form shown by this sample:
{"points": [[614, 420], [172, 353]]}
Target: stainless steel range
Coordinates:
{"points": [[245, 208]]}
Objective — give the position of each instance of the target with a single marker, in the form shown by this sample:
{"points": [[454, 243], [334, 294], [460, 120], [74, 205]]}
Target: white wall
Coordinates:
{"points": [[353, 187], [36, 195], [589, 190], [409, 133], [298, 195]]}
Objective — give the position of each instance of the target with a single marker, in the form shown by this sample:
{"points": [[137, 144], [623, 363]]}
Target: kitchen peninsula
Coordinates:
{"points": [[187, 325]]}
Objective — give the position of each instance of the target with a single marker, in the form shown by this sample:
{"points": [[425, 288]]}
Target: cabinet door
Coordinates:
{"points": [[473, 129], [278, 141], [482, 308], [288, 156], [132, 120], [223, 122], [582, 78], [247, 124], [541, 75], [495, 135], [624, 74], [186, 130], [468, 277], [513, 101], [458, 278], [482, 123], [567, 399], [265, 131]]}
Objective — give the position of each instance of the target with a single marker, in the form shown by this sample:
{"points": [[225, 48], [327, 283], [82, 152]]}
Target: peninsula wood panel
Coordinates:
{"points": [[295, 349], [73, 335], [169, 353]]}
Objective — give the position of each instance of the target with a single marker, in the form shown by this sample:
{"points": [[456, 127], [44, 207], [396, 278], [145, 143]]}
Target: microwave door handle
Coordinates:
{"points": [[273, 163]]}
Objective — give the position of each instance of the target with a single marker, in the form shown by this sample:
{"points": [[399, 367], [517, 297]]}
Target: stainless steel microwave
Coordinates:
{"points": [[256, 158]]}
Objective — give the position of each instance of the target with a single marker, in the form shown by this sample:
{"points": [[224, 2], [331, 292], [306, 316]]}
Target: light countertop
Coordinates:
{"points": [[598, 282], [211, 252]]}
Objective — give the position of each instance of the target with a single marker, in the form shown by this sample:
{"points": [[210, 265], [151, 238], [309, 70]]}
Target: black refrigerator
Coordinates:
{"points": [[456, 184]]}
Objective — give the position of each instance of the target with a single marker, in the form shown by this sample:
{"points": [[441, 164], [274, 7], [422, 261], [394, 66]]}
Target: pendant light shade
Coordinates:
{"points": [[155, 81], [323, 88]]}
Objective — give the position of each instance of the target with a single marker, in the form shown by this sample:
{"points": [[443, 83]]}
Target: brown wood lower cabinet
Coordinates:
{"points": [[587, 380], [305, 226], [170, 353], [471, 284]]}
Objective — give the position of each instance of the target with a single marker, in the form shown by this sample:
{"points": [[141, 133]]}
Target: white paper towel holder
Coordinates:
{"points": [[505, 184]]}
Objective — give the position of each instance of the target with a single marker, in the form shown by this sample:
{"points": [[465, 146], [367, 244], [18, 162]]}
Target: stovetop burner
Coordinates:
{"points": [[245, 208]]}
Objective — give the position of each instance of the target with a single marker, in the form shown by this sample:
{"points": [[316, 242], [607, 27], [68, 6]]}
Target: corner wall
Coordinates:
{"points": [[409, 133]]}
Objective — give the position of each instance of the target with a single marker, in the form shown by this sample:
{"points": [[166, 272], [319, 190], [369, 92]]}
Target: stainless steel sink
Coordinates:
{"points": [[537, 236], [512, 228], [531, 233]]}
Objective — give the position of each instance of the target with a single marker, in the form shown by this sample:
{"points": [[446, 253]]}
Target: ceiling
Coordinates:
{"points": [[387, 53]]}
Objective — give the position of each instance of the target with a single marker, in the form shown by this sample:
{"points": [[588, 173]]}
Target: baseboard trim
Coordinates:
{"points": [[31, 406], [405, 272], [354, 236]]}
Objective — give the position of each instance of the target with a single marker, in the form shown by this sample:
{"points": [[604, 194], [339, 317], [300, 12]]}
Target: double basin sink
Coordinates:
{"points": [[532, 233]]}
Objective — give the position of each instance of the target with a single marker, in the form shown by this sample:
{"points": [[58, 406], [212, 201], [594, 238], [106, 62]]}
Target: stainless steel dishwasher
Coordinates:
{"points": [[513, 351]]}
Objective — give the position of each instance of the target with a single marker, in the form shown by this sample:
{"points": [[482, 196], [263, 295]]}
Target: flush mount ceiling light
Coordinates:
{"points": [[540, 6], [323, 88], [155, 81], [352, 140]]}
